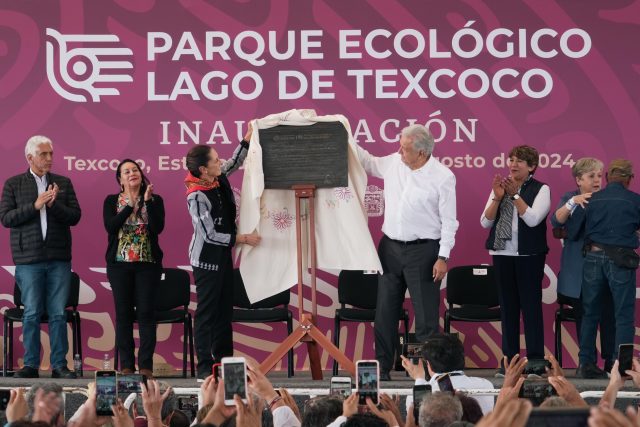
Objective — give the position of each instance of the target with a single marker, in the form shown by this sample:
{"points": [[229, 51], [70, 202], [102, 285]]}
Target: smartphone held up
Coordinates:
{"points": [[367, 380], [234, 374]]}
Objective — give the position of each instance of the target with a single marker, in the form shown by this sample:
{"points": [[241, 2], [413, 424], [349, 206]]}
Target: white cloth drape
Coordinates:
{"points": [[343, 240]]}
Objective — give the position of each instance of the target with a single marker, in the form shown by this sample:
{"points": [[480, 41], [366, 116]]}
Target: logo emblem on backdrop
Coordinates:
{"points": [[87, 66], [374, 201]]}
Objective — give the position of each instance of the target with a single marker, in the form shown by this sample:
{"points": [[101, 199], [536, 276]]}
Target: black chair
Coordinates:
{"points": [[272, 309], [360, 291], [564, 313], [172, 306], [15, 315], [474, 290]]}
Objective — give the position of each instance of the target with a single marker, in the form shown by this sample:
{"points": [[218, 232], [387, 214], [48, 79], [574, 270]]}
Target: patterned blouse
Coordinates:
{"points": [[133, 238]]}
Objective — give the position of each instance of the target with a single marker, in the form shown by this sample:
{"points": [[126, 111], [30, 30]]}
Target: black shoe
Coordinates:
{"points": [[590, 371], [608, 364], [385, 376], [63, 372], [27, 372]]}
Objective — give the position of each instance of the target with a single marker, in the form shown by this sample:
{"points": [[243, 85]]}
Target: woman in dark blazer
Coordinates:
{"points": [[516, 216], [134, 218]]}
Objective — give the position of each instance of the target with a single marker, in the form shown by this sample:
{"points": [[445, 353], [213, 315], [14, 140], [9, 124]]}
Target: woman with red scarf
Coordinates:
{"points": [[213, 214]]}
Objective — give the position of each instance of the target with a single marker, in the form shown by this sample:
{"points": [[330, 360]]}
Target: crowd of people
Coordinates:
{"points": [[265, 405]]}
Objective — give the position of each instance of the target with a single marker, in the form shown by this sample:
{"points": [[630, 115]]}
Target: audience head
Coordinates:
{"points": [[365, 420], [46, 388], [555, 402], [443, 353], [321, 411], [471, 410], [440, 410], [177, 418]]}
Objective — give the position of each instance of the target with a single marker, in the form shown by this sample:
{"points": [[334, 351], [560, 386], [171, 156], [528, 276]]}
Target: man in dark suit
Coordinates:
{"points": [[39, 208]]}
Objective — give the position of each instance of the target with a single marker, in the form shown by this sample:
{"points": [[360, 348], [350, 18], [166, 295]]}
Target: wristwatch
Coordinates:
{"points": [[515, 196], [443, 258]]}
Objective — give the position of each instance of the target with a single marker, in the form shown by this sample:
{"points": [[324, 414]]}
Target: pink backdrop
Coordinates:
{"points": [[588, 109]]}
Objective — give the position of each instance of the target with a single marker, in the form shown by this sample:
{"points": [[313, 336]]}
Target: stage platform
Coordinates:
{"points": [[303, 381]]}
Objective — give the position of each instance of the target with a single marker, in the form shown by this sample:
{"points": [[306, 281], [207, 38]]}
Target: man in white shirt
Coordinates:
{"points": [[444, 354], [419, 232]]}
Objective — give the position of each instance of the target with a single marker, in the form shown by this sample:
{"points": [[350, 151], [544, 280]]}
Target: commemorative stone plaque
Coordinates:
{"points": [[297, 155]]}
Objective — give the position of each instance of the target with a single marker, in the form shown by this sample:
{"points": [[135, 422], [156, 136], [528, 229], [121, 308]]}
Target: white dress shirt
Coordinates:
{"points": [[420, 203], [461, 382], [41, 182], [533, 216]]}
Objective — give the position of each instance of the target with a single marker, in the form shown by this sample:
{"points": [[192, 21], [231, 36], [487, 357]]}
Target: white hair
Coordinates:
{"points": [[34, 142], [420, 137]]}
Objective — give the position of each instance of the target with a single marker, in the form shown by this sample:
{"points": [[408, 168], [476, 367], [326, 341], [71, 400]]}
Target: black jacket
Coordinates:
{"points": [[18, 213], [531, 240], [113, 222]]}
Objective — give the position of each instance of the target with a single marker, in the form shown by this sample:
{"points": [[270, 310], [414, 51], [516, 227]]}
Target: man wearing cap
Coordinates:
{"points": [[612, 219]]}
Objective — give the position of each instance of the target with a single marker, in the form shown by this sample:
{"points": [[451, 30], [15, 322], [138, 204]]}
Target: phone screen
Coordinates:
{"points": [[4, 399], [234, 380], [445, 384], [341, 386], [536, 391], [367, 373], [419, 392], [625, 358], [106, 388], [566, 417], [128, 384], [189, 404], [413, 352]]}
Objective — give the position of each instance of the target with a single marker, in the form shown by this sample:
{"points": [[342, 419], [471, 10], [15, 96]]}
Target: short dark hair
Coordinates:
{"points": [[321, 411], [196, 157], [444, 352], [471, 410], [365, 420], [526, 153], [179, 419]]}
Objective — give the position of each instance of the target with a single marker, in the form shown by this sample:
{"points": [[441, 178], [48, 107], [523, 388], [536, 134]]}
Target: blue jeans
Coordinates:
{"points": [[598, 274], [45, 289]]}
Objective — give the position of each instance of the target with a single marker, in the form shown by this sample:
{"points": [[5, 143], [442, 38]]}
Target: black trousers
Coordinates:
{"points": [[520, 282], [134, 285], [405, 266], [212, 329]]}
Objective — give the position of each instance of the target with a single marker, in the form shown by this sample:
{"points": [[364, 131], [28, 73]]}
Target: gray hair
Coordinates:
{"points": [[555, 402], [46, 388], [420, 137], [439, 410], [586, 165], [34, 142]]}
